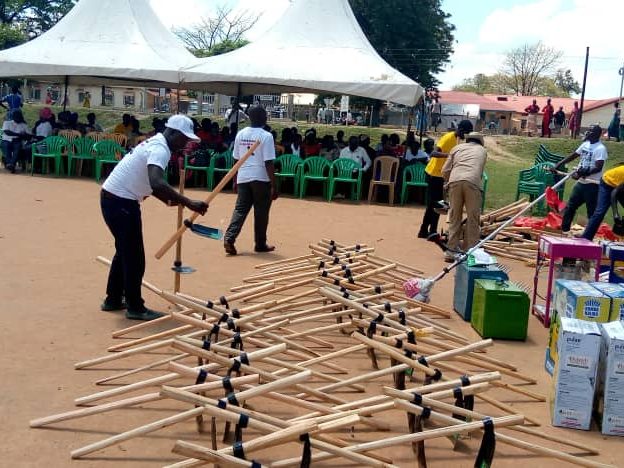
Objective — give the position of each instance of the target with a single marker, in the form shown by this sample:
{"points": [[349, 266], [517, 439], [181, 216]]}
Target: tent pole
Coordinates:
{"points": [[410, 118], [422, 119], [65, 95], [238, 98], [178, 99]]}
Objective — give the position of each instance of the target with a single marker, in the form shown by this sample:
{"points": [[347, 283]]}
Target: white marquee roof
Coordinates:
{"points": [[102, 42], [317, 45]]}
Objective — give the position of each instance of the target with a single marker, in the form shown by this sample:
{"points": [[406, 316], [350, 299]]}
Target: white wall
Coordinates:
{"points": [[601, 115]]}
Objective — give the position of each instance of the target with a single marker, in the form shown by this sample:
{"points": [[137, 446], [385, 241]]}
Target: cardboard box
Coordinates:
{"points": [[574, 379], [610, 394], [551, 350], [578, 299], [616, 294]]}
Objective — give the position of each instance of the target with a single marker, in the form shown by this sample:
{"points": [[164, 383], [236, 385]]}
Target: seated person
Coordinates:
{"points": [[340, 143], [92, 125], [215, 140], [310, 146], [356, 153], [135, 133], [14, 134], [125, 127], [296, 145], [43, 127], [279, 149], [415, 154], [329, 150], [204, 131]]}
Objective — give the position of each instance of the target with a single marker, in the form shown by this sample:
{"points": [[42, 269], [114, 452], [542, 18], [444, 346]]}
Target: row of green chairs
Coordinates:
{"points": [[53, 148], [220, 163]]}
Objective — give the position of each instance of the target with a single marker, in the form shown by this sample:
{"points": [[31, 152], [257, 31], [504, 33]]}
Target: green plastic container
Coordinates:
{"points": [[500, 309]]}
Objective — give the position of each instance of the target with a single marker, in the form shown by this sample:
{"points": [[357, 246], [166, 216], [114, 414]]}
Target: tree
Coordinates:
{"points": [[527, 64], [33, 17], [565, 81], [413, 36], [10, 36], [218, 34], [485, 84]]}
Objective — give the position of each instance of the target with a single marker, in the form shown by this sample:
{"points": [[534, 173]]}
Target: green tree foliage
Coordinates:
{"points": [[220, 48], [10, 36], [414, 36], [565, 81], [485, 84], [33, 17]]}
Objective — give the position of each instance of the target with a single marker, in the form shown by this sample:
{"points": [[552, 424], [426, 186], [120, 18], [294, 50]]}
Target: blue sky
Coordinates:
{"points": [[485, 30]]}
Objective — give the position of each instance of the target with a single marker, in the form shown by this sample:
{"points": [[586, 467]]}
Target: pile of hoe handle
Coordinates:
{"points": [[313, 358]]}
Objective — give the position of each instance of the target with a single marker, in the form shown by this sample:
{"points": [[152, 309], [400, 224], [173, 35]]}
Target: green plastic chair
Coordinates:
{"points": [[533, 182], [197, 169], [50, 148], [288, 166], [106, 152], [484, 179], [413, 176], [348, 171], [80, 149], [317, 169], [213, 169]]}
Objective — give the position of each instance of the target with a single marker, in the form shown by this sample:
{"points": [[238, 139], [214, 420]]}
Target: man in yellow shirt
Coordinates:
{"points": [[610, 192], [435, 181]]}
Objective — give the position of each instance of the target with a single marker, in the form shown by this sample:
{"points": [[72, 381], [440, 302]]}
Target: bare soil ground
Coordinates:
{"points": [[51, 288]]}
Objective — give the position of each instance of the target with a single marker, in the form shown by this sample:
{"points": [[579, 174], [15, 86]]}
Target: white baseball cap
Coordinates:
{"points": [[182, 124]]}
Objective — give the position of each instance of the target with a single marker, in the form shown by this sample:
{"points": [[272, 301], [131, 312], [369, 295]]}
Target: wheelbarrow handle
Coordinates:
{"points": [[182, 229]]}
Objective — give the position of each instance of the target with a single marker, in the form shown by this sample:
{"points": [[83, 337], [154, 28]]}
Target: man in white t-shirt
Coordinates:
{"points": [[592, 154], [138, 175], [356, 153], [14, 132], [254, 182], [235, 115]]}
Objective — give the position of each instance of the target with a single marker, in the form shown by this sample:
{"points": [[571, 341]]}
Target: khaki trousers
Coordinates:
{"points": [[463, 194]]}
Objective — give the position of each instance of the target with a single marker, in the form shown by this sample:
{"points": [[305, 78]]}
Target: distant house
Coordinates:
{"points": [[505, 113]]}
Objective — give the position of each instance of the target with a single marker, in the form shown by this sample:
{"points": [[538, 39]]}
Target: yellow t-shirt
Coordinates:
{"points": [[446, 143], [614, 177]]}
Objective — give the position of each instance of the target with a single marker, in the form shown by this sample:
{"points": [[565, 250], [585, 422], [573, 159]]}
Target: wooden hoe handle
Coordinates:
{"points": [[173, 239]]}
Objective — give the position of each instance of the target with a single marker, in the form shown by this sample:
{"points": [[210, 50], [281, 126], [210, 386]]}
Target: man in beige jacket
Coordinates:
{"points": [[462, 175]]}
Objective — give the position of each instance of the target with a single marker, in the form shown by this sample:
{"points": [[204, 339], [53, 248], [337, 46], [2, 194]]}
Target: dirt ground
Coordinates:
{"points": [[51, 288]]}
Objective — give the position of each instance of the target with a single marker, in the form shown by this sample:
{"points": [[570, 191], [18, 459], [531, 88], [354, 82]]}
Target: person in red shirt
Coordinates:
{"points": [[204, 132], [549, 111], [310, 146]]}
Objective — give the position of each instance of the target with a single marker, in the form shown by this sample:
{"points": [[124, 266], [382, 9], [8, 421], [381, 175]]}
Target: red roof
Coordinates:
{"points": [[513, 103]]}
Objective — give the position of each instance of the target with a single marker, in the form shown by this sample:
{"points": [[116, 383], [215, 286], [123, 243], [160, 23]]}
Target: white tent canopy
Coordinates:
{"points": [[102, 42], [317, 45]]}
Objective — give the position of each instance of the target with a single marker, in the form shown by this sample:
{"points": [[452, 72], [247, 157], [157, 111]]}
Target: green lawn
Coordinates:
{"points": [[507, 154]]}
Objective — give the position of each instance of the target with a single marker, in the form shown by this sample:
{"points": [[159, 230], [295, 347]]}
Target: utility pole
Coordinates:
{"points": [[621, 73], [580, 118]]}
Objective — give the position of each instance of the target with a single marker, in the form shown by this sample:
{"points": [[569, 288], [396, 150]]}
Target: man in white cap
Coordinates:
{"points": [[138, 175], [462, 173]]}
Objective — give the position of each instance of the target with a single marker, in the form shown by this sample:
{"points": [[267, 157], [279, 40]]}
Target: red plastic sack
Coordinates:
{"points": [[552, 200], [606, 232], [554, 220], [529, 221]]}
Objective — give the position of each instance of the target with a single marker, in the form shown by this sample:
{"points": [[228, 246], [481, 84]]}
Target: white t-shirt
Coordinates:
{"points": [[590, 153], [130, 179], [254, 168], [231, 116], [12, 126], [419, 156], [358, 156], [44, 129]]}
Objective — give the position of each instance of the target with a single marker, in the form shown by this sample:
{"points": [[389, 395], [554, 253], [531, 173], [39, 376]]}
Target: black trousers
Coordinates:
{"points": [[123, 218], [435, 192], [251, 194], [582, 194]]}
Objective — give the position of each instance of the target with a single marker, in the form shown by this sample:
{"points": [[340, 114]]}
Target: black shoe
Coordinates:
{"points": [[422, 234], [113, 306], [145, 314], [229, 248], [265, 248]]}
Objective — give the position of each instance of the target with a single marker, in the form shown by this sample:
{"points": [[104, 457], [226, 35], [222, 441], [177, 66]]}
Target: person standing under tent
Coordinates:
{"points": [[13, 101], [235, 115], [435, 182], [592, 154], [138, 175], [254, 183]]}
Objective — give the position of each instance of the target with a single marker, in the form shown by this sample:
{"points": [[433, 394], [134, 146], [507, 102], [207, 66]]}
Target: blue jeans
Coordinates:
{"points": [[602, 206], [10, 151]]}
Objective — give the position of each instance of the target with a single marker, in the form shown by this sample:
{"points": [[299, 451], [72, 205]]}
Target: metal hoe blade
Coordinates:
{"points": [[204, 231]]}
